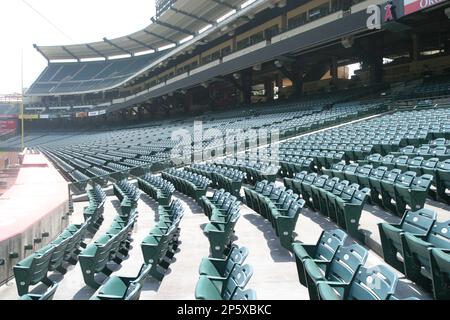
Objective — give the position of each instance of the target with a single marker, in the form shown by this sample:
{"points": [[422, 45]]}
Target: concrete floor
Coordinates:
{"points": [[275, 274]]}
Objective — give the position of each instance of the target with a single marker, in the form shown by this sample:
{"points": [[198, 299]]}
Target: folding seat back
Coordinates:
{"points": [[417, 251], [440, 267], [374, 158], [276, 193], [376, 283], [387, 161], [328, 244], [259, 187], [363, 171], [346, 263], [267, 189], [237, 279], [414, 164], [422, 183], [36, 271], [349, 172], [348, 192], [405, 179], [423, 150], [391, 176], [241, 294], [339, 187]]}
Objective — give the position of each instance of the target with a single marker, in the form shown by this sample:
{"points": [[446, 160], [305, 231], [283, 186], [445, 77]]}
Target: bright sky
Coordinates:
{"points": [[76, 21]]}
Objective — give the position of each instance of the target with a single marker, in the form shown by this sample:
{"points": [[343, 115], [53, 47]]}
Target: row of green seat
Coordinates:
{"points": [[61, 251], [225, 278], [332, 271], [426, 151], [112, 246], [93, 212], [223, 211], [347, 150], [392, 190], [280, 206], [159, 246], [337, 199], [53, 257], [419, 246], [191, 184], [128, 195], [157, 188], [255, 171], [440, 170], [292, 163], [229, 179], [123, 288]]}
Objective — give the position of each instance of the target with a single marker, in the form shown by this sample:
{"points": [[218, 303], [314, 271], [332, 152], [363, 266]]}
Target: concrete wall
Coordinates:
{"points": [[53, 224]]}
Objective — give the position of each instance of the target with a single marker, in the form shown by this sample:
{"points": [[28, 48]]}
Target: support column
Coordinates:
{"points": [[414, 49], [269, 89], [334, 70], [297, 79], [247, 82]]}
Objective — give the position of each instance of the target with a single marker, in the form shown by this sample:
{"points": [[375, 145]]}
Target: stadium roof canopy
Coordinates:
{"points": [[184, 19]]}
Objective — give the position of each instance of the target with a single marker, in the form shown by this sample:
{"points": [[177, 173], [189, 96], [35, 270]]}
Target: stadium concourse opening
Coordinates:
{"points": [[235, 150]]}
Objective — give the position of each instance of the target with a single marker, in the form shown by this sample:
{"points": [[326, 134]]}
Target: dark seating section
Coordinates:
{"points": [[71, 77], [229, 179], [280, 206]]}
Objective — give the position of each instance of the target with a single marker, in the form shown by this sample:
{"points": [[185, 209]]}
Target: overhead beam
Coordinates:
{"points": [[175, 28], [96, 51], [42, 53], [118, 47], [141, 43], [193, 16], [70, 53], [225, 4], [159, 37]]}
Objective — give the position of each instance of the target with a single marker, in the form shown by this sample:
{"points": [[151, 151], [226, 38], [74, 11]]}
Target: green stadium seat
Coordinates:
{"points": [[33, 270], [341, 269], [223, 289], [323, 250], [417, 222], [417, 252], [440, 269], [221, 268], [376, 283], [123, 288]]}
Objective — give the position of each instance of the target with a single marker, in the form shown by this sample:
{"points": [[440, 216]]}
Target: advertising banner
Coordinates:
{"points": [[411, 6], [7, 126]]}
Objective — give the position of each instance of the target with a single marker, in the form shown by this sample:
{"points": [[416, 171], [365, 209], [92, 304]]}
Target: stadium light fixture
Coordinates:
{"points": [[257, 67], [278, 63], [237, 76]]}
